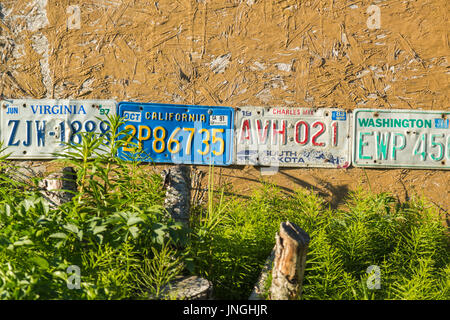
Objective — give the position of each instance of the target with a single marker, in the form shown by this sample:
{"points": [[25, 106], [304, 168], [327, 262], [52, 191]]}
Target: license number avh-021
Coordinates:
{"points": [[37, 129], [177, 133], [293, 137]]}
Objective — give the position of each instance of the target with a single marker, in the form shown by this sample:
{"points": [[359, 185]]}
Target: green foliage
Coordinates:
{"points": [[117, 232], [112, 228], [407, 241]]}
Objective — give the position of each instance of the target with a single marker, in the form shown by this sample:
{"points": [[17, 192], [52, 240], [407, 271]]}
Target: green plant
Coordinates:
{"points": [[156, 272], [114, 225], [407, 241], [117, 232]]}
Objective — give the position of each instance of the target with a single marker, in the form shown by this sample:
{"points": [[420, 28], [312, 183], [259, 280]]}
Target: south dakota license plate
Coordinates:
{"points": [[177, 133], [401, 138], [37, 129], [292, 137]]}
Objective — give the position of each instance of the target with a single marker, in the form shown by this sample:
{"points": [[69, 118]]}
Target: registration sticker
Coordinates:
{"points": [[401, 138], [218, 120], [37, 129], [132, 116], [339, 115]]}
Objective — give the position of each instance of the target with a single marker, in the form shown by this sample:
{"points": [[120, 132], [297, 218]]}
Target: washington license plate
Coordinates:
{"points": [[37, 129], [401, 138], [177, 133], [293, 137]]}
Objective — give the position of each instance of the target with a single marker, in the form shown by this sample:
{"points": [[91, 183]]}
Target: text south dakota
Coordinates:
{"points": [[172, 116]]}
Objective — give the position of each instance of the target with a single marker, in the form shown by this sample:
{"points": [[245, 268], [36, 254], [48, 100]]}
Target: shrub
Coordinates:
{"points": [[407, 242]]}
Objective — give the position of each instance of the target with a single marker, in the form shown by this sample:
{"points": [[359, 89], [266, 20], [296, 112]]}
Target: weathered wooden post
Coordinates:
{"points": [[177, 181], [187, 288], [259, 292], [178, 193], [289, 263], [59, 187]]}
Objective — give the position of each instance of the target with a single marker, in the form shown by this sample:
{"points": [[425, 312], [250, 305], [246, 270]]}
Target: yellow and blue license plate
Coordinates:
{"points": [[169, 133]]}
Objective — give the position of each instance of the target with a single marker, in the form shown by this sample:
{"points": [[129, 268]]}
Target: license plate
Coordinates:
{"points": [[177, 133], [37, 129], [293, 137], [401, 138]]}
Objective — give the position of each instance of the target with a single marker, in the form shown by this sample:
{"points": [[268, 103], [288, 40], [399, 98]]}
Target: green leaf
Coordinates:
{"points": [[98, 229], [7, 210], [41, 262], [72, 228], [134, 231], [59, 235], [39, 233], [61, 275], [59, 244], [28, 203], [80, 235], [133, 220], [24, 242]]}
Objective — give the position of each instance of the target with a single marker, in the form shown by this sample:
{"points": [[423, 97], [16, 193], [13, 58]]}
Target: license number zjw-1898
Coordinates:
{"points": [[39, 129]]}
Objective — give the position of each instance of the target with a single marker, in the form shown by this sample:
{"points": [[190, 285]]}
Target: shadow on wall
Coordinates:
{"points": [[337, 193]]}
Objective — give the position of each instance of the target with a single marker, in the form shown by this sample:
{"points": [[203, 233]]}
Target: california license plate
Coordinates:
{"points": [[293, 137], [177, 133], [401, 138], [37, 129]]}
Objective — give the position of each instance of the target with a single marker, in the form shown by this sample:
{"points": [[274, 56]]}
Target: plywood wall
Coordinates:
{"points": [[329, 53]]}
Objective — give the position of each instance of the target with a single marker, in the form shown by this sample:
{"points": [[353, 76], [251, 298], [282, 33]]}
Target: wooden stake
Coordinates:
{"points": [[59, 187], [178, 193], [289, 264]]}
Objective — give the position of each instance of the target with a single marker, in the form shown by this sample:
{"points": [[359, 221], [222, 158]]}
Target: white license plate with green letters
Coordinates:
{"points": [[401, 138]]}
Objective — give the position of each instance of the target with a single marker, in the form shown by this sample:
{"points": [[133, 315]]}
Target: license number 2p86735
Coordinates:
{"points": [[177, 133]]}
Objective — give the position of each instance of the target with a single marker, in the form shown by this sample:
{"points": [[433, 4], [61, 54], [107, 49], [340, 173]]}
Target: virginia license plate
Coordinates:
{"points": [[177, 133], [401, 138], [37, 129], [293, 137]]}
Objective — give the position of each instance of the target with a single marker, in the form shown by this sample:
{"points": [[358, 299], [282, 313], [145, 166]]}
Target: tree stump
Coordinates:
{"points": [[187, 288], [259, 290], [59, 187], [178, 192], [289, 263]]}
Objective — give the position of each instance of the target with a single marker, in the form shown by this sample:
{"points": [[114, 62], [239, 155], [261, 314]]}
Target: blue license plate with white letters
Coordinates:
{"points": [[170, 133], [38, 129]]}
